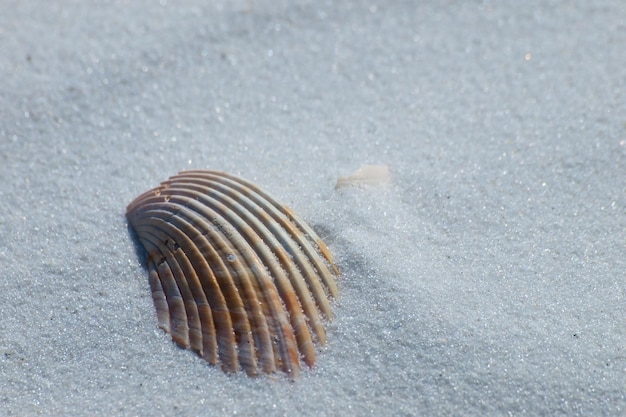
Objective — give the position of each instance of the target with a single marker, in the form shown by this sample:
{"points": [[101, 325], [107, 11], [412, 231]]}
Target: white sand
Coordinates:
{"points": [[487, 279]]}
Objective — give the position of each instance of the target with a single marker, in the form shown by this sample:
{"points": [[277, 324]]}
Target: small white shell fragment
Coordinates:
{"points": [[366, 175]]}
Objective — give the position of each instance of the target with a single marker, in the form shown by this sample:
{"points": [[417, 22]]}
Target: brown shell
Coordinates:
{"points": [[236, 276]]}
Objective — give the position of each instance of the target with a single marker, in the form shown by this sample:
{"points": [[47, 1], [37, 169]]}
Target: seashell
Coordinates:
{"points": [[366, 175], [235, 275]]}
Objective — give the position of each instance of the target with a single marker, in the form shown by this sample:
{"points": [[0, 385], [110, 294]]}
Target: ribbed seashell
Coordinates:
{"points": [[235, 275]]}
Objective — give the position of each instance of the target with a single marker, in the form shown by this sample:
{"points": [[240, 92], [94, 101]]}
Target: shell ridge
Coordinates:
{"points": [[158, 297], [282, 269], [194, 328], [178, 327], [221, 311], [255, 325], [274, 314], [281, 208], [247, 279], [209, 198], [289, 220], [198, 307], [302, 254]]}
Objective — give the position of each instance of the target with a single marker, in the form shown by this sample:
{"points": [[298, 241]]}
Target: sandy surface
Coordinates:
{"points": [[487, 279]]}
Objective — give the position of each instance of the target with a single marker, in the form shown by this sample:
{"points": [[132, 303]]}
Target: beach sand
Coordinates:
{"points": [[487, 277]]}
